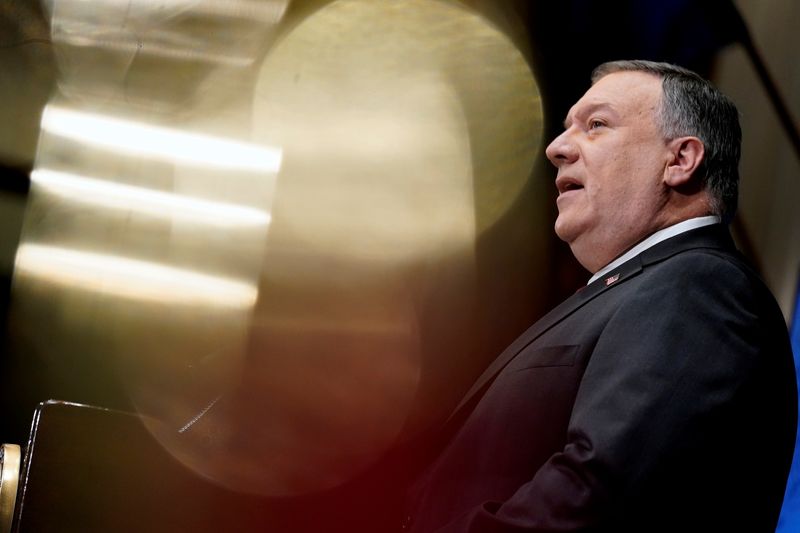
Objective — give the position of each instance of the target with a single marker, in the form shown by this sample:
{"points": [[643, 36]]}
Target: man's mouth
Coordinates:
{"points": [[566, 184]]}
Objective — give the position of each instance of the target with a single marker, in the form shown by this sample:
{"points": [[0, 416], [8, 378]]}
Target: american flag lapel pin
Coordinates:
{"points": [[612, 279]]}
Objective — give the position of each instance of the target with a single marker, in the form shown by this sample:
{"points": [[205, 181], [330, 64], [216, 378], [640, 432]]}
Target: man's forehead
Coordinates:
{"points": [[619, 92]]}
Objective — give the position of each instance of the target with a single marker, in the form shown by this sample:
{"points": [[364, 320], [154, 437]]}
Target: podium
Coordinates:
{"points": [[90, 470]]}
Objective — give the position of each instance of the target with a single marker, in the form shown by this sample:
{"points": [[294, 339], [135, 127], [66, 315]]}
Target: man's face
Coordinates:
{"points": [[611, 162]]}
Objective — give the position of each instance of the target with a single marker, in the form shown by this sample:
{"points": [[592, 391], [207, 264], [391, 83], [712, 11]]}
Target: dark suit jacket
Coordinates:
{"points": [[659, 398]]}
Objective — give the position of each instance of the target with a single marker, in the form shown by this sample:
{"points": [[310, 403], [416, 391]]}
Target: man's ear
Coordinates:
{"points": [[686, 155]]}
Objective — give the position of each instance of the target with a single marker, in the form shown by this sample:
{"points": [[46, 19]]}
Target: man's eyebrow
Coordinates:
{"points": [[588, 110]]}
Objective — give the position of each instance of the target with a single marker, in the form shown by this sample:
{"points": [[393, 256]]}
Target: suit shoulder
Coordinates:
{"points": [[707, 264], [709, 276]]}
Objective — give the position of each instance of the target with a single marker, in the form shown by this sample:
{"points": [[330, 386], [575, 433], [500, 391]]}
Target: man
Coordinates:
{"points": [[661, 396]]}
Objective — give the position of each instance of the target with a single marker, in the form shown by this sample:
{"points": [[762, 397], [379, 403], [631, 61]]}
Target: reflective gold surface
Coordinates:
{"points": [[9, 480], [252, 241]]}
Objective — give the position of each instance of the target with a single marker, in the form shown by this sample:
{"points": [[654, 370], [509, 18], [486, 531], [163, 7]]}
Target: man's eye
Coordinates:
{"points": [[594, 124]]}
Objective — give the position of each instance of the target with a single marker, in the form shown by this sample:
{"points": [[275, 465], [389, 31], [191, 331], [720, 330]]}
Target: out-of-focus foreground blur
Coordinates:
{"points": [[241, 216], [289, 234]]}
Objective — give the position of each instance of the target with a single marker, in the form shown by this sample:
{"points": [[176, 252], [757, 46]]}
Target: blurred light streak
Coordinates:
{"points": [[139, 199], [168, 46], [191, 30], [141, 139], [259, 10], [132, 279]]}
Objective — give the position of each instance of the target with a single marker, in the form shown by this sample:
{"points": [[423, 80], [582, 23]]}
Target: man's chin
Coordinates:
{"points": [[565, 231], [581, 248]]}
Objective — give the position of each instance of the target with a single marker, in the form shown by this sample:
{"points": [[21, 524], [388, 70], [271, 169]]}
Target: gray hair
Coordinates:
{"points": [[690, 105]]}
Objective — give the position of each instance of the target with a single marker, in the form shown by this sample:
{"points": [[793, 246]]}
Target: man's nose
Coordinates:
{"points": [[561, 150]]}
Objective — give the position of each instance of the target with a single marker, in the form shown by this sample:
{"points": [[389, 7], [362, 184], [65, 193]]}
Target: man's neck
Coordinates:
{"points": [[653, 239]]}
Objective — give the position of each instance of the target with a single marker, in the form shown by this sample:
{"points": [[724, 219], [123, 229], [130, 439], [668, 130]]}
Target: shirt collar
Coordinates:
{"points": [[655, 238]]}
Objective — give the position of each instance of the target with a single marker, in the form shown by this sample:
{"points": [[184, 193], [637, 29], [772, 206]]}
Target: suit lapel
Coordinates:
{"points": [[715, 237], [565, 309]]}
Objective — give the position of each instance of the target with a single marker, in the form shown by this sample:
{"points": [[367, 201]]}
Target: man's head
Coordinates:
{"points": [[647, 146]]}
